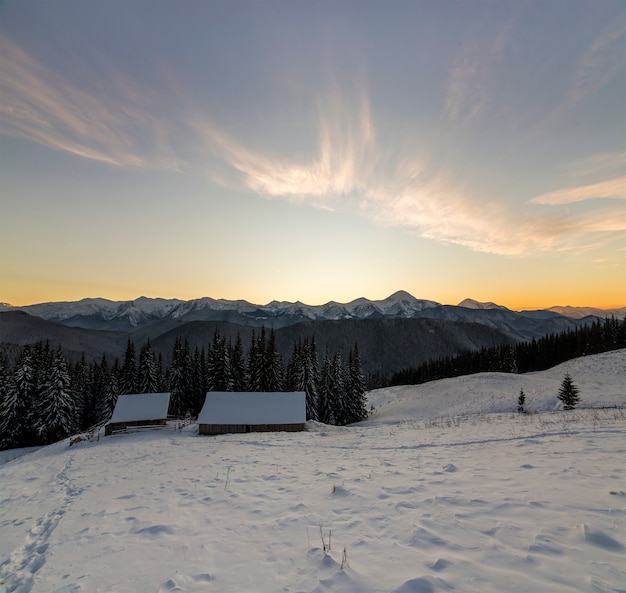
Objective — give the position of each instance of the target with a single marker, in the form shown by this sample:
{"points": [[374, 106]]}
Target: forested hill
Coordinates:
{"points": [[387, 345], [43, 398]]}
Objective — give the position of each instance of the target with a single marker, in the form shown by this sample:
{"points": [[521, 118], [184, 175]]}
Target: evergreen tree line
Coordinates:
{"points": [[43, 398], [523, 357]]}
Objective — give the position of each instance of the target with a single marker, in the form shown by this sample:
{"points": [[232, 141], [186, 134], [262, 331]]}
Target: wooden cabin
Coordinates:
{"points": [[138, 409], [235, 412]]}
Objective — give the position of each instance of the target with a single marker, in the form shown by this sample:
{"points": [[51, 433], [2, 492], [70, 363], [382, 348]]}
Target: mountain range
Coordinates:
{"points": [[392, 334], [98, 313]]}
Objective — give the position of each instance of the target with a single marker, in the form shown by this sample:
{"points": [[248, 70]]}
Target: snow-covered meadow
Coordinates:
{"points": [[444, 488]]}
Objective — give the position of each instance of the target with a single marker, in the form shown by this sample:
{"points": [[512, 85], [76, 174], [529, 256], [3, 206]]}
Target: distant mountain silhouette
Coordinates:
{"points": [[392, 334]]}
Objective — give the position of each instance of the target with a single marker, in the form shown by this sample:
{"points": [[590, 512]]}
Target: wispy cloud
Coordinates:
{"points": [[440, 211], [601, 61], [124, 123], [598, 64], [603, 164], [114, 123], [468, 90], [589, 214], [351, 171], [345, 160], [612, 188]]}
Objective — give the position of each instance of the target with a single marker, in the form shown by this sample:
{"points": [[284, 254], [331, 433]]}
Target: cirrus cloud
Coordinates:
{"points": [[121, 122], [611, 188], [114, 121]]}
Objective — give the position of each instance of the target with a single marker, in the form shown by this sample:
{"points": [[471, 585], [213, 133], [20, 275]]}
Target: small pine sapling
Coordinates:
{"points": [[569, 393], [521, 400]]}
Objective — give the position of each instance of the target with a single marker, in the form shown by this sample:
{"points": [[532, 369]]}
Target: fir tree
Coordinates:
{"points": [[25, 398], [199, 382], [355, 388], [290, 372], [568, 393], [180, 374], [128, 374], [313, 380], [147, 375], [325, 393], [83, 392], [57, 417], [42, 363], [337, 391], [104, 395], [272, 370], [308, 379], [115, 378], [218, 365], [255, 361], [521, 401], [332, 394], [160, 375], [43, 359], [302, 375], [112, 391], [11, 410], [239, 379]]}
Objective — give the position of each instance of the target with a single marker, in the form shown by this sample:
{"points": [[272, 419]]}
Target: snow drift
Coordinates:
{"points": [[480, 501]]}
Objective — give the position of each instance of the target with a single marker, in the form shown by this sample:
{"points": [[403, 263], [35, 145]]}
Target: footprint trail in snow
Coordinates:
{"points": [[17, 574]]}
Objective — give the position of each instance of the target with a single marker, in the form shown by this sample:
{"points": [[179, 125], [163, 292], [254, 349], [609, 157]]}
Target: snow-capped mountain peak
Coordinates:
{"points": [[472, 304], [580, 312], [106, 314], [404, 304], [99, 313]]}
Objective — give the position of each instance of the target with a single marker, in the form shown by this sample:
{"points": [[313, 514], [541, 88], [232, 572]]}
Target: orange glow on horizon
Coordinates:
{"points": [[24, 298]]}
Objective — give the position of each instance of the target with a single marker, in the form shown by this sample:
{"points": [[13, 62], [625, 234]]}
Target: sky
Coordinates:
{"points": [[313, 150]]}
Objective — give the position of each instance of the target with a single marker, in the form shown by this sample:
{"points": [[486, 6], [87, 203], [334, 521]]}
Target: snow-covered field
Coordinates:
{"points": [[443, 489]]}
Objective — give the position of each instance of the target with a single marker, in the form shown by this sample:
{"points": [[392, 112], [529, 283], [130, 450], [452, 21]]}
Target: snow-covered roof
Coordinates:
{"points": [[223, 407], [141, 406]]}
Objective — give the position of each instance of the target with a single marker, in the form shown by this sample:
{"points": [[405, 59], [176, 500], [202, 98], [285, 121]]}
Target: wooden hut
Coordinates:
{"points": [[139, 409], [226, 412]]}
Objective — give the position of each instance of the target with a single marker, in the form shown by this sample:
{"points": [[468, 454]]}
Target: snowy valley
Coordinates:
{"points": [[443, 488]]}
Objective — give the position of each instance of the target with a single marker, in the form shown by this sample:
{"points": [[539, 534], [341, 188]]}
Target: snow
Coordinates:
{"points": [[135, 310], [601, 379], [580, 312], [253, 408], [11, 454], [486, 501], [473, 304], [141, 406], [143, 309]]}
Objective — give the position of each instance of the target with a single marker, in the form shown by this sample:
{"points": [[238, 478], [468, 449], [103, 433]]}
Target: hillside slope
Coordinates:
{"points": [[386, 345], [601, 379], [483, 504], [19, 328]]}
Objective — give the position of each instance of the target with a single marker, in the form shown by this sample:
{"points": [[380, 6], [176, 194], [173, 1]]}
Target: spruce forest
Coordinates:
{"points": [[523, 357], [44, 398]]}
